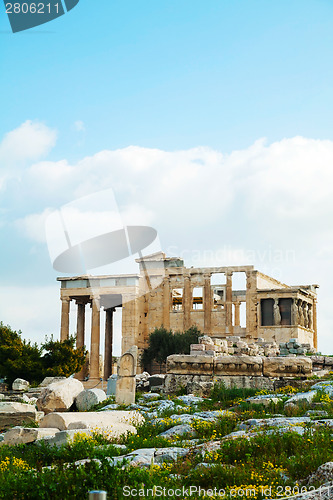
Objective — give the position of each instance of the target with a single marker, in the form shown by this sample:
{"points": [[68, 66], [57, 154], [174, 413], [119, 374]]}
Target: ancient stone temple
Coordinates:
{"points": [[165, 292]]}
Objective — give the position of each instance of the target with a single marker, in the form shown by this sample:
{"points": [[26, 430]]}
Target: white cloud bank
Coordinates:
{"points": [[29, 142], [270, 204]]}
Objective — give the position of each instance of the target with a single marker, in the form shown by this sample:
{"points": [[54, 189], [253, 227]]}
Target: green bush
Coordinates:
{"points": [[221, 394], [162, 343]]}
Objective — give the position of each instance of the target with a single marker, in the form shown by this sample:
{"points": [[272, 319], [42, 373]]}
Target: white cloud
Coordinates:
{"points": [[33, 310], [33, 226], [29, 142], [270, 205]]}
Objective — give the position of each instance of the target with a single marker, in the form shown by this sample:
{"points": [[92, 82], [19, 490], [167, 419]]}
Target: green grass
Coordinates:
{"points": [[265, 460]]}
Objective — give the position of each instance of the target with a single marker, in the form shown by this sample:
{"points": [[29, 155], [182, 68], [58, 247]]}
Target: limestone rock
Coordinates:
{"points": [[326, 386], [89, 398], [113, 432], [21, 435], [151, 395], [190, 399], [62, 438], [302, 396], [323, 474], [59, 396], [265, 400], [50, 380], [143, 457], [91, 420], [316, 413], [20, 384], [290, 422], [168, 454], [178, 430], [16, 414]]}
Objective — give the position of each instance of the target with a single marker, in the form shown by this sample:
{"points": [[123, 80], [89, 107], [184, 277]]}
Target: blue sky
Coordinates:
{"points": [[172, 74], [169, 77]]}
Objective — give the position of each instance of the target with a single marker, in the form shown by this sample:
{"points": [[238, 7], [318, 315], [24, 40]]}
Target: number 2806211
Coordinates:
{"points": [[32, 8]]}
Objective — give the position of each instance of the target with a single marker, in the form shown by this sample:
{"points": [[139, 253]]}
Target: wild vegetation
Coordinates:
{"points": [[265, 464]]}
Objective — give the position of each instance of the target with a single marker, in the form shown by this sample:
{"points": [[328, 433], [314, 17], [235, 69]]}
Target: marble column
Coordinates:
{"points": [[80, 331], [314, 324], [237, 313], [166, 303], [252, 305], [228, 304], [65, 306], [187, 302], [305, 314], [95, 339], [80, 328], [207, 305], [108, 342]]}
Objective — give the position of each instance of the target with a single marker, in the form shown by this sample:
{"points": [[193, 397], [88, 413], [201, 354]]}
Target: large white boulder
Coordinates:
{"points": [[20, 384], [16, 413], [91, 420], [21, 435], [89, 398], [59, 396]]}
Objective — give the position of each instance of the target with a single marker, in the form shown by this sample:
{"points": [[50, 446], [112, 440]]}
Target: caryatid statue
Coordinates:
{"points": [[276, 311], [300, 313]]}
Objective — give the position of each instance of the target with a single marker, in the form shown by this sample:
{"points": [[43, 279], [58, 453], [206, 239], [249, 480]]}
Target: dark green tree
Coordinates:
{"points": [[162, 343], [18, 358], [62, 358]]}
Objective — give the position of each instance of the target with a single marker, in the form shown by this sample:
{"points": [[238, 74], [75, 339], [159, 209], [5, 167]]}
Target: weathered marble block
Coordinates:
{"points": [[193, 365], [197, 347], [287, 367], [238, 365]]}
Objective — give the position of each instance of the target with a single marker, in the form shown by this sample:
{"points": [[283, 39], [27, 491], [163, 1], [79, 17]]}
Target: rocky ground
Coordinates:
{"points": [[240, 442]]}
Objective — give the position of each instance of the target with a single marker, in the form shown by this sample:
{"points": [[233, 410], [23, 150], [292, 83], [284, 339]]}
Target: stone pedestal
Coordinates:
{"points": [[125, 389]]}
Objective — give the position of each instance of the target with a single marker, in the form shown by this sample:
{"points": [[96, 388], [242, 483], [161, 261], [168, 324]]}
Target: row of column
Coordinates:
{"points": [[207, 303], [95, 333]]}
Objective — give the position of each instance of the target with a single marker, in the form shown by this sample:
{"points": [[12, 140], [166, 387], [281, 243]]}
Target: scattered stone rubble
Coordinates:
{"points": [[238, 364], [235, 345], [295, 347], [59, 428]]}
